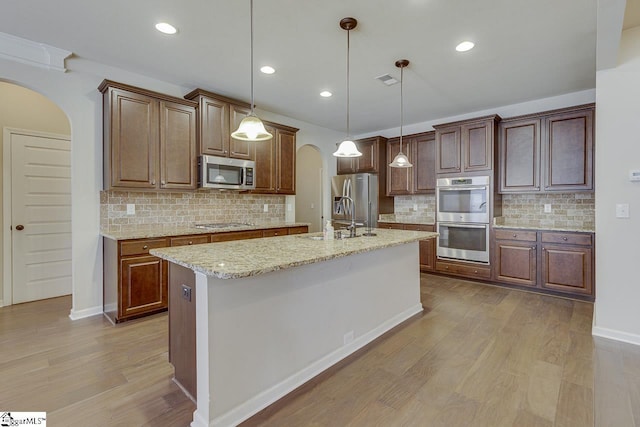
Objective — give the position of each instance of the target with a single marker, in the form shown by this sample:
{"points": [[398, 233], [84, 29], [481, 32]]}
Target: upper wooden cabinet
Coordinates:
{"points": [[276, 161], [218, 117], [421, 152], [466, 146], [149, 139], [549, 151], [373, 154]]}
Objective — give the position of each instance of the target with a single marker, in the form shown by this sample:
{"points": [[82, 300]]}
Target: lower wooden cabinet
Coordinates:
{"points": [[559, 262], [427, 247], [135, 282], [474, 271]]}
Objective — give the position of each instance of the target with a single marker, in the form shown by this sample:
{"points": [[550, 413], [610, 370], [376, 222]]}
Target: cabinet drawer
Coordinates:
{"points": [[236, 235], [480, 272], [141, 247], [520, 235], [189, 240], [391, 225], [271, 232], [299, 230], [582, 239], [419, 227]]}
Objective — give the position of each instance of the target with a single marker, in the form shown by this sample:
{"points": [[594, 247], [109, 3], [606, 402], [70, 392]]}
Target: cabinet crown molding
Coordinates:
{"points": [[494, 117], [201, 92], [540, 114], [106, 84]]}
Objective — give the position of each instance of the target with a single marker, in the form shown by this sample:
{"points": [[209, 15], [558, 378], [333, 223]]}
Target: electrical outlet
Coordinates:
{"points": [[348, 337], [622, 210], [547, 208], [415, 206], [186, 292], [289, 207], [131, 209], [265, 208]]}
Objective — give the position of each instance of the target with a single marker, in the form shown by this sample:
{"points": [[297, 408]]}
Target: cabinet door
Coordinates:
{"points": [[477, 146], [285, 162], [428, 255], [143, 286], [368, 162], [567, 268], [177, 146], [569, 151], [134, 139], [345, 165], [265, 158], [515, 262], [448, 150], [239, 149], [520, 156], [399, 180], [424, 167], [214, 127]]}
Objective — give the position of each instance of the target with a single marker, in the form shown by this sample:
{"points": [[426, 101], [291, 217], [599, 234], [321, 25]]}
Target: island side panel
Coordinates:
{"points": [[271, 333], [182, 327]]}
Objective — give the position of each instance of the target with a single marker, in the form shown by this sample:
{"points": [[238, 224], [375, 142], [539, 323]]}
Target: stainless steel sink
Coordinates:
{"points": [[223, 225]]}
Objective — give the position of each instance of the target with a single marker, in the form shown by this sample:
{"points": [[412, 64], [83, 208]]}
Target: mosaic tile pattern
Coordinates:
{"points": [[569, 211], [244, 258], [404, 212]]}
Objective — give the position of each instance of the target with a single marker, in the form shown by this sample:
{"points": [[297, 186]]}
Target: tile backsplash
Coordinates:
{"points": [[567, 209], [425, 208], [186, 208]]}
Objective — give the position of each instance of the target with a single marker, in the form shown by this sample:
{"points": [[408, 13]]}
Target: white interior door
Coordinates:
{"points": [[40, 216]]}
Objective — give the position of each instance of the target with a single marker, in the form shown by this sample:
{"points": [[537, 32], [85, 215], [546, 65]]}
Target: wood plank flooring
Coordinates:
{"points": [[478, 356]]}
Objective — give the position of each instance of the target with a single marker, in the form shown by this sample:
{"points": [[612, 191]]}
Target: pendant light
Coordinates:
{"points": [[401, 161], [347, 148], [251, 127]]}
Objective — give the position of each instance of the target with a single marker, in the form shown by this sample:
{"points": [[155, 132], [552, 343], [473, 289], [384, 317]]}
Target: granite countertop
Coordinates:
{"points": [[244, 258], [149, 232], [502, 222], [408, 221]]}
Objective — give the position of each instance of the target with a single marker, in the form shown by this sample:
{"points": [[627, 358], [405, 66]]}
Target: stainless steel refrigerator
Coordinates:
{"points": [[369, 199]]}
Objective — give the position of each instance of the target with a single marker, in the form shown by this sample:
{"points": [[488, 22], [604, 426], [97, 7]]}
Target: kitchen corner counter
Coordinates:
{"points": [[149, 232], [244, 258]]}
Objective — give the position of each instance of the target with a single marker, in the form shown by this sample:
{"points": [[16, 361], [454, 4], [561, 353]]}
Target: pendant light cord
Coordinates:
{"points": [[401, 105], [348, 47], [251, 15]]}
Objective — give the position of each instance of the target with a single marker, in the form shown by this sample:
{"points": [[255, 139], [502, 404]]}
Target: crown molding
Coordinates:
{"points": [[32, 53]]}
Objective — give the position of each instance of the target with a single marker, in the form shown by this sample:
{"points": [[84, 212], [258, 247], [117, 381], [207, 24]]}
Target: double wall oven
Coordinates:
{"points": [[463, 216]]}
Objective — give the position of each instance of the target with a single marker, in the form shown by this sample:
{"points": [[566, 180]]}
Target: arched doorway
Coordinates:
{"points": [[309, 179], [35, 258]]}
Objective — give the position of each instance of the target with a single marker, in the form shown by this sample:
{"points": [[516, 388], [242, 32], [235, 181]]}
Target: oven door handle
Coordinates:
{"points": [[484, 187], [464, 226]]}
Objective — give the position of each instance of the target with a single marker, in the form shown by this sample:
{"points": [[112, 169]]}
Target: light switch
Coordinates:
{"points": [[622, 210], [131, 209], [547, 208]]}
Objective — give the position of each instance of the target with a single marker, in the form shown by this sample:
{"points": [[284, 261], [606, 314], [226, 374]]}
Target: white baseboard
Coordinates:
{"points": [[1, 303], [254, 405], [615, 335], [87, 312]]}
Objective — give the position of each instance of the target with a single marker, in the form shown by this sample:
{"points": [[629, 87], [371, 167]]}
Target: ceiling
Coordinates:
{"points": [[524, 50]]}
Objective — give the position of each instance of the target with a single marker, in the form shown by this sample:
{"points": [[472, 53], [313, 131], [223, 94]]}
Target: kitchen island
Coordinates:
{"points": [[272, 313]]}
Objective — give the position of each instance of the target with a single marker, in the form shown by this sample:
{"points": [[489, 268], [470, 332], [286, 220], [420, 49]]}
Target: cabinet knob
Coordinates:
{"points": [[19, 227], [475, 271], [162, 182], [515, 235], [145, 247], [565, 239], [446, 267], [544, 249], [190, 242], [153, 182], [533, 247]]}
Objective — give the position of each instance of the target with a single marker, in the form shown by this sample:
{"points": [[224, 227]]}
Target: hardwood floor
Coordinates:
{"points": [[478, 356]]}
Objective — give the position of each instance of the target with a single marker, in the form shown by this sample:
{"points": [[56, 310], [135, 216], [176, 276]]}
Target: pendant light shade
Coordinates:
{"points": [[347, 148], [401, 160], [251, 127]]}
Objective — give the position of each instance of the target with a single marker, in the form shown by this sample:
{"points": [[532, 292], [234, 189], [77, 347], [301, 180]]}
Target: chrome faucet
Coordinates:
{"points": [[352, 227]]}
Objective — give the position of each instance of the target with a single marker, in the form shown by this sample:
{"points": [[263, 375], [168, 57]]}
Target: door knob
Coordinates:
{"points": [[19, 227]]}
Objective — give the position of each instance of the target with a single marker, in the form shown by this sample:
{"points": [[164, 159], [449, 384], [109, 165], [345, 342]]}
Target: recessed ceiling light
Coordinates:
{"points": [[325, 94], [268, 70], [465, 46], [163, 27]]}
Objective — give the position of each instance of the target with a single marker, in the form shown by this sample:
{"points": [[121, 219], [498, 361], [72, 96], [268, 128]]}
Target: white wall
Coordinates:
{"points": [[617, 311], [75, 92]]}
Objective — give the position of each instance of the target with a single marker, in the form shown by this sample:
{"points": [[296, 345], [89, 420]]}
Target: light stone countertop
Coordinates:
{"points": [[402, 221], [244, 258], [149, 232], [502, 222]]}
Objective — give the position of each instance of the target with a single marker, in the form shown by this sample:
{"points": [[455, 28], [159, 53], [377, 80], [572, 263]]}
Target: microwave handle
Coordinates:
{"points": [[463, 226], [462, 188]]}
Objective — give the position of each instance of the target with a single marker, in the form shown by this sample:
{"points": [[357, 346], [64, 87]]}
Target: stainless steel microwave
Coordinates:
{"points": [[226, 173]]}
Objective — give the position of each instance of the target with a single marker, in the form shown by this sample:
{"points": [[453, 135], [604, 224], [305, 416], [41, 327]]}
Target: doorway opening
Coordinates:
{"points": [[35, 261], [309, 179]]}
